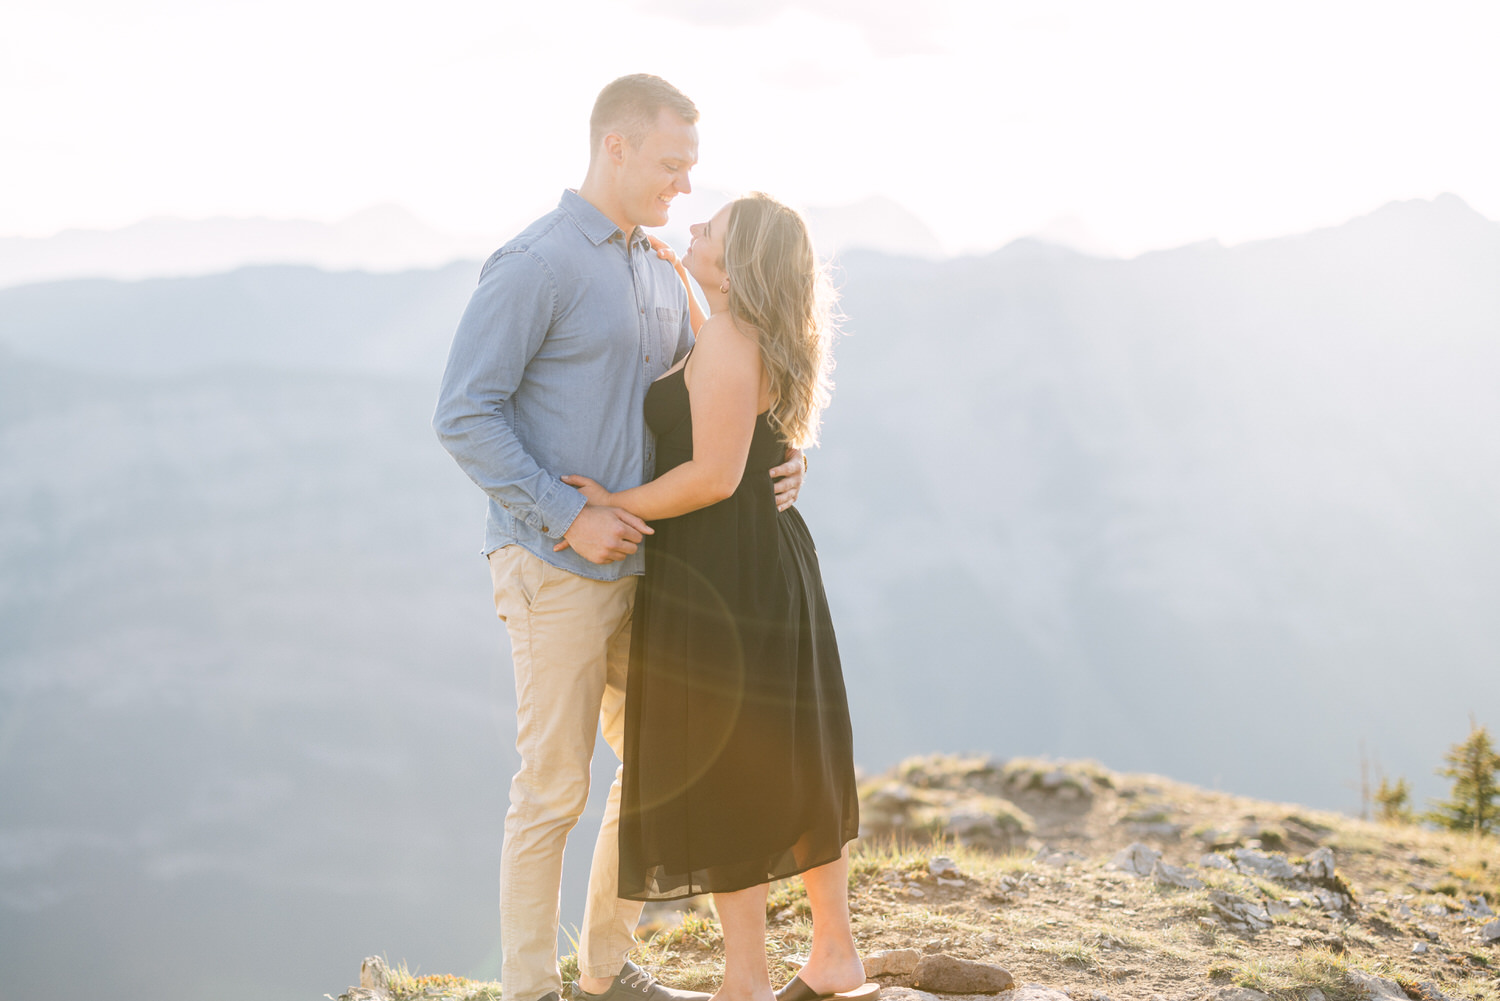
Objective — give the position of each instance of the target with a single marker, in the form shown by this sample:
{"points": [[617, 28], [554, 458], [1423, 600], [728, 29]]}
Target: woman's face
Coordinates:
{"points": [[704, 259]]}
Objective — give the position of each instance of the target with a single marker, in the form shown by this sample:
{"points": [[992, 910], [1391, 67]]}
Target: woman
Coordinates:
{"points": [[738, 756]]}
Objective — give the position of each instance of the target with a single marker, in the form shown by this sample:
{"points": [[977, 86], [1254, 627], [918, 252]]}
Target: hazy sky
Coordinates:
{"points": [[1149, 123]]}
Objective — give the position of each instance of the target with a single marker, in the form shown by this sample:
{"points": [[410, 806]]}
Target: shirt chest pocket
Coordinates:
{"points": [[664, 334]]}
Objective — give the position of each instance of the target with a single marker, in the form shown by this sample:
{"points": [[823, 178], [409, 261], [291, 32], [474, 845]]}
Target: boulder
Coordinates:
{"points": [[1478, 908], [942, 865], [1333, 900], [1491, 931], [1238, 910], [1059, 859], [892, 963], [373, 975], [1172, 875], [946, 975], [904, 994], [1270, 865], [1376, 988], [1030, 992], [987, 823], [1214, 860], [1239, 994], [1320, 864], [1138, 859]]}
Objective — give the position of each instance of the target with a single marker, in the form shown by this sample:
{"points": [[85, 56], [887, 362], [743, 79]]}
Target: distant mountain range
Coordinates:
{"points": [[1226, 514], [384, 238]]}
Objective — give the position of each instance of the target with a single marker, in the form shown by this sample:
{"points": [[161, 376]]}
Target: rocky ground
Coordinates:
{"points": [[1075, 883]]}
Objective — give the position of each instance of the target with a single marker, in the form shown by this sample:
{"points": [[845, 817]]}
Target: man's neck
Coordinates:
{"points": [[594, 191]]}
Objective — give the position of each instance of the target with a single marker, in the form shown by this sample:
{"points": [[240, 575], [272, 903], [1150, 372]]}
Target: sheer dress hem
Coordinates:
{"points": [[702, 881]]}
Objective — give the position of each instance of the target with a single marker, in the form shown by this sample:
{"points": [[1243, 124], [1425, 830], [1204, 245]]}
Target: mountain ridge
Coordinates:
{"points": [[1227, 516]]}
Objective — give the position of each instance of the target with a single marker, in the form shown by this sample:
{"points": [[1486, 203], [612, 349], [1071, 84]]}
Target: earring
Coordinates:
{"points": [[724, 286]]}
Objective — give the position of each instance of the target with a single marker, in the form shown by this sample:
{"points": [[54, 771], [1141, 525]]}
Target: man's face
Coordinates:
{"points": [[651, 176]]}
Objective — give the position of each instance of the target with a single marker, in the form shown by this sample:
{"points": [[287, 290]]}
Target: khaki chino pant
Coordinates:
{"points": [[570, 643]]}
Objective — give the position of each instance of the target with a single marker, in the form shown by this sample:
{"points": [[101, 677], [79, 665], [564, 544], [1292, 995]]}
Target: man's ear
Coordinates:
{"points": [[614, 148]]}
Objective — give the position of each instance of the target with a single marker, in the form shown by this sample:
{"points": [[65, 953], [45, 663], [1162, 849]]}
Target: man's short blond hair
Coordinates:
{"points": [[630, 106]]}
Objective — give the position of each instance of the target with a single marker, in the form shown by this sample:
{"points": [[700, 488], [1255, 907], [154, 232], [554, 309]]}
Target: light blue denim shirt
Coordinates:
{"points": [[548, 375]]}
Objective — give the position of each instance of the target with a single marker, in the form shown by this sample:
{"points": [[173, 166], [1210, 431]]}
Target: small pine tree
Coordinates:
{"points": [[1394, 801], [1474, 767]]}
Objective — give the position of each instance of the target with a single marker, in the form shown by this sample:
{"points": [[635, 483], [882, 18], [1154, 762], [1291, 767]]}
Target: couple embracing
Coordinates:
{"points": [[640, 462]]}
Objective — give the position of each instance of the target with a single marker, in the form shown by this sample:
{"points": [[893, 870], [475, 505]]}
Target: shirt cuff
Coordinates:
{"points": [[554, 513]]}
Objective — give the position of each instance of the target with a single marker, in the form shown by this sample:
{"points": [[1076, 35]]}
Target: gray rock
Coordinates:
{"points": [[904, 994], [892, 963], [373, 975], [1478, 908], [946, 975], [1272, 866], [977, 829], [1404, 912], [1332, 900], [1059, 859], [1172, 875], [1239, 994], [1432, 991], [1491, 931], [1138, 859], [1376, 988], [1315, 995], [1214, 860], [1238, 910], [942, 865], [1419, 948], [1320, 864], [1029, 992]]}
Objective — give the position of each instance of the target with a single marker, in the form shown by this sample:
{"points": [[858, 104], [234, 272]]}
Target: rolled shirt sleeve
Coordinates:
{"points": [[502, 329]]}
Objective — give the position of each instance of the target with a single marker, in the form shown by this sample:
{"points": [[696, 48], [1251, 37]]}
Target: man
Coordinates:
{"points": [[571, 322]]}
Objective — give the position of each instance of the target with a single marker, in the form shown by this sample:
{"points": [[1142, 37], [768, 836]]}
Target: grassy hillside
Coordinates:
{"points": [[1058, 909]]}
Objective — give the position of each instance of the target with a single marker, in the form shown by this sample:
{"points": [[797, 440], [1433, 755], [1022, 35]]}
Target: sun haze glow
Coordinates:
{"points": [[1133, 126]]}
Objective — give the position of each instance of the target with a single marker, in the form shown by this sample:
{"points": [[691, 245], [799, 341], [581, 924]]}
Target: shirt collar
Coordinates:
{"points": [[594, 224]]}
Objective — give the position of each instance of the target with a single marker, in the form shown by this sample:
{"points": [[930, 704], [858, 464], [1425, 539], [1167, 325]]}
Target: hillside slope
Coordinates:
{"points": [[1127, 887]]}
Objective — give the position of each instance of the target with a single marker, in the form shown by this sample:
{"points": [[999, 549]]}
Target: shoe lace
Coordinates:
{"points": [[638, 979]]}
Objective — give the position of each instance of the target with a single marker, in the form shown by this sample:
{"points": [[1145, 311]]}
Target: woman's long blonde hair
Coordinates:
{"points": [[777, 286]]}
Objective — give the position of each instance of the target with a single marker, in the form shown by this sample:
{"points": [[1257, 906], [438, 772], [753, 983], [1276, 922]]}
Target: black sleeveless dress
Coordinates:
{"points": [[739, 764]]}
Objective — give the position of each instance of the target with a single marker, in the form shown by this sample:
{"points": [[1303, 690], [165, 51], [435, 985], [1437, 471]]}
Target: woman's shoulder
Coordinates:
{"points": [[725, 329], [724, 347]]}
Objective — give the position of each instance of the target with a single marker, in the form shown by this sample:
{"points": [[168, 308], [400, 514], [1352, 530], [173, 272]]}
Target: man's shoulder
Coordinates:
{"points": [[536, 239], [552, 242]]}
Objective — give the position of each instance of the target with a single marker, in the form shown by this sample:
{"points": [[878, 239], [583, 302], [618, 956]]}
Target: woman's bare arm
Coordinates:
{"points": [[666, 253]]}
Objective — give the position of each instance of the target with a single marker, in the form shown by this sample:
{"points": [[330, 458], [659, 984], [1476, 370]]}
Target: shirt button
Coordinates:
{"points": [[546, 529]]}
